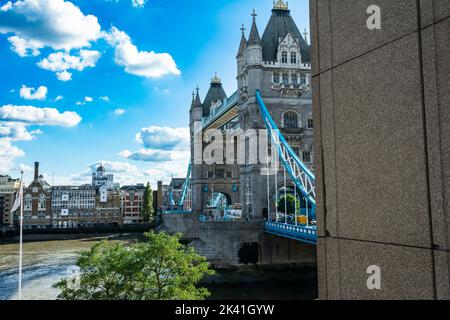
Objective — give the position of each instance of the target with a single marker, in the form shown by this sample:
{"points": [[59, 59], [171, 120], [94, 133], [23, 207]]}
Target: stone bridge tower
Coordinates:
{"points": [[210, 178], [278, 64]]}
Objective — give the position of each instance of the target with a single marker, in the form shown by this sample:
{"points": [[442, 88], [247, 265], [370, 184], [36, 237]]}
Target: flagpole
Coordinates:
{"points": [[20, 236]]}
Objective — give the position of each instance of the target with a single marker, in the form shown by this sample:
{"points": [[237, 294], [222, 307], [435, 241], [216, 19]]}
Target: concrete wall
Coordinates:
{"points": [[382, 141]]}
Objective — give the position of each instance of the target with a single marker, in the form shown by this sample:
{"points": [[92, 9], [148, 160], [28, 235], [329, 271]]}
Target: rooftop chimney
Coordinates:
{"points": [[36, 171]]}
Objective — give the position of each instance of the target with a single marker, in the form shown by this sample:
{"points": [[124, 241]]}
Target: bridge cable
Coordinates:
{"points": [[268, 178], [295, 205], [285, 197], [276, 187]]}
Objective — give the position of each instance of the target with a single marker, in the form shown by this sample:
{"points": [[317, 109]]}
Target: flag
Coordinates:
{"points": [[19, 198]]}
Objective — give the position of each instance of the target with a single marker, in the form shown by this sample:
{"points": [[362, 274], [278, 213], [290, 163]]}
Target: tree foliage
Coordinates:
{"points": [[160, 268], [290, 204], [147, 204]]}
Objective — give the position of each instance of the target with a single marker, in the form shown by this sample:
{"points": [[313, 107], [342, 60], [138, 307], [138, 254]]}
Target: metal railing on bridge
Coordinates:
{"points": [[302, 178]]}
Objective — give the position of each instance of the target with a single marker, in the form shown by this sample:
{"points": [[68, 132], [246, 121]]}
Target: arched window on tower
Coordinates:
{"points": [[291, 120], [284, 57]]}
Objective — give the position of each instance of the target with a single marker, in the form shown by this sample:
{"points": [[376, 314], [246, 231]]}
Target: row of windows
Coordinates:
{"points": [[219, 173], [291, 121], [289, 79], [284, 57]]}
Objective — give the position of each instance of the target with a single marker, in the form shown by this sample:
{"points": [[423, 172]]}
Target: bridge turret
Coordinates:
{"points": [[253, 54], [250, 76], [241, 52], [214, 95]]}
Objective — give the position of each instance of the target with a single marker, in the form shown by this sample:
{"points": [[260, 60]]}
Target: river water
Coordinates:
{"points": [[46, 262]]}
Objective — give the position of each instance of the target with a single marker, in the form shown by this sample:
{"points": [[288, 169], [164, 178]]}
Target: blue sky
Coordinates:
{"points": [[90, 81]]}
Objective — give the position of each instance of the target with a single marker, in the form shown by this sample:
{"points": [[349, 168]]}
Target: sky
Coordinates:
{"points": [[84, 82]]}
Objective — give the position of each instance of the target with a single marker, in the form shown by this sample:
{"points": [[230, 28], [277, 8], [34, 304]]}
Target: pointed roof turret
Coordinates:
{"points": [[243, 43], [197, 102], [254, 38], [215, 93], [193, 99]]}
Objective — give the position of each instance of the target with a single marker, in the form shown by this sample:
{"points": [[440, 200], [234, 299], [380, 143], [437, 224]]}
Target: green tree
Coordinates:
{"points": [[160, 268], [290, 203], [147, 204]]}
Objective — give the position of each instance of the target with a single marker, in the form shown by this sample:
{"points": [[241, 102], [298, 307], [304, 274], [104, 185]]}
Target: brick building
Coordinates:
{"points": [[131, 203]]}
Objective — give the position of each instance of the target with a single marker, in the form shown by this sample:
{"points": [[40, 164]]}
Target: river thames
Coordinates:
{"points": [[46, 262]]}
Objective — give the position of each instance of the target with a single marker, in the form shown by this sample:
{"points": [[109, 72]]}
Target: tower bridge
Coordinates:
{"points": [[232, 201]]}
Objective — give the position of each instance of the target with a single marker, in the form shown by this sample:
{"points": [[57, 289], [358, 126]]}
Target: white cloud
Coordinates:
{"points": [[6, 6], [14, 123], [88, 99], [138, 3], [114, 167], [59, 98], [64, 76], [57, 24], [119, 112], [39, 116], [105, 98], [163, 138], [147, 155], [141, 63], [60, 62], [24, 47], [8, 153], [36, 24], [25, 168], [32, 94], [15, 131], [166, 148], [79, 103]]}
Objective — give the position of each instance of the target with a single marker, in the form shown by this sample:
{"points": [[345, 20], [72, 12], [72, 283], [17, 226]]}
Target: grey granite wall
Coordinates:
{"points": [[382, 140]]}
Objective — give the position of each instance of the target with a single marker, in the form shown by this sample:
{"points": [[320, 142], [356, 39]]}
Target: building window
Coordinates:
{"points": [[276, 78], [210, 174], [284, 57], [296, 150], [294, 77], [290, 120], [303, 79], [28, 202], [41, 205], [310, 123], [285, 78], [306, 157], [220, 173], [293, 57]]}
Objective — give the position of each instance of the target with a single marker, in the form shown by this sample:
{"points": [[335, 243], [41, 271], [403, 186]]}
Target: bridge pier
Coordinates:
{"points": [[382, 141], [239, 243]]}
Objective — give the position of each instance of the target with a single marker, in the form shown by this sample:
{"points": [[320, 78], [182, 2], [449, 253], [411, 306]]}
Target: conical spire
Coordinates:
{"points": [[254, 38], [243, 44], [198, 101], [193, 99]]}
